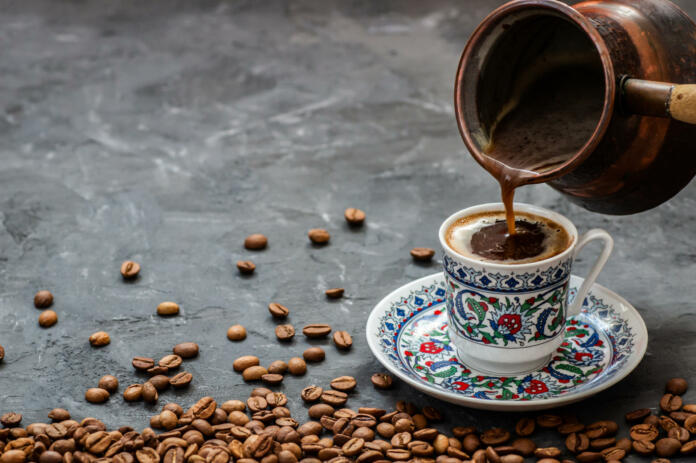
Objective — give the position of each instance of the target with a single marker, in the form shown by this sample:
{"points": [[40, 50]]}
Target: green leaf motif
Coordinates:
{"points": [[570, 368], [447, 373], [507, 395], [476, 307]]}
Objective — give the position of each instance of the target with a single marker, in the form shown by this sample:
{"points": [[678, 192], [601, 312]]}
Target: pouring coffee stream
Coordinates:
{"points": [[578, 97]]}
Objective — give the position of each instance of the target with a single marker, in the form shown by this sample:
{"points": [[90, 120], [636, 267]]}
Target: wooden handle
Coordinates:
{"points": [[682, 103]]}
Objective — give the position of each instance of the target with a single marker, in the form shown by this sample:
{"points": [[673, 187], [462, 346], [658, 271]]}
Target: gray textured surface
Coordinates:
{"points": [[168, 131]]}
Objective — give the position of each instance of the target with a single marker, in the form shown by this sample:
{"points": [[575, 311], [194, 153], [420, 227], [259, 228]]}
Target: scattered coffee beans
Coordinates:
{"points": [[278, 310], [186, 350], [319, 236], [335, 293], [255, 242], [314, 354], [43, 299], [181, 380], [150, 394], [354, 217], [109, 383], [246, 267], [254, 373], [316, 330], [242, 363], [161, 382], [284, 332], [99, 339], [142, 363], [272, 378], [343, 383], [278, 367], [297, 366], [96, 395], [133, 393], [130, 269], [170, 362], [48, 318], [382, 380], [422, 254], [677, 386], [311, 393], [167, 309], [343, 340], [236, 333]]}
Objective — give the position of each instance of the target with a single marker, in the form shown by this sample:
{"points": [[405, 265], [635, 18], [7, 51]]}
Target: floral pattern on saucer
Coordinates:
{"points": [[412, 333]]}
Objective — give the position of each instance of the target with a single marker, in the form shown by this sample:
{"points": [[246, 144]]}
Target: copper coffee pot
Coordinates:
{"points": [[643, 150]]}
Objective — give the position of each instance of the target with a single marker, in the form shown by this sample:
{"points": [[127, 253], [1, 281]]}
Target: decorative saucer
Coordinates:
{"points": [[407, 332]]}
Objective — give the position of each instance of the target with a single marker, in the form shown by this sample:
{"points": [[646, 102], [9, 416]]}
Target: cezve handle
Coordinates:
{"points": [[660, 99]]}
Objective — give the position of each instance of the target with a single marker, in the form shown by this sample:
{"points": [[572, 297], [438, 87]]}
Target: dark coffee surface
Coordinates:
{"points": [[494, 242]]}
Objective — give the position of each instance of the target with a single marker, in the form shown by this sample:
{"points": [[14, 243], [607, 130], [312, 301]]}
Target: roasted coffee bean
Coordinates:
{"points": [[569, 428], [48, 318], [613, 453], [157, 370], [652, 419], [525, 427], [2, 353], [588, 457], [524, 446], [602, 443], [50, 456], [254, 373], [278, 310], [577, 442], [601, 429], [130, 269], [688, 447], [334, 398], [278, 367], [314, 354], [644, 432], [246, 267], [670, 402], [161, 382], [13, 456], [643, 447], [495, 436], [10, 419], [256, 403], [461, 431], [318, 236], [681, 434], [150, 394], [398, 454], [43, 299], [624, 443], [667, 447], [99, 339], [354, 217], [382, 380], [547, 452], [690, 424], [471, 443], [343, 383], [512, 458], [342, 340], [272, 379], [147, 455], [318, 410], [667, 423], [297, 366], [242, 363], [59, 414], [401, 440], [143, 363], [422, 254], [167, 309], [353, 446], [550, 460], [432, 414], [96, 395], [285, 332], [236, 333], [679, 416], [334, 293], [549, 421], [133, 393], [171, 361], [426, 434], [109, 382], [637, 415], [186, 350], [316, 330], [181, 380], [676, 386], [255, 242], [311, 393]]}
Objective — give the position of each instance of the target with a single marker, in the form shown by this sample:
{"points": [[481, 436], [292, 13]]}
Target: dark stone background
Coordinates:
{"points": [[166, 131]]}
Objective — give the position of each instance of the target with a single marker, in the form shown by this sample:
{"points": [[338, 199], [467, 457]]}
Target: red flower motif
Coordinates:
{"points": [[460, 385], [580, 356], [428, 363], [469, 329], [408, 354], [491, 384], [480, 378], [492, 300], [515, 396], [599, 343], [536, 387], [485, 341], [513, 322], [430, 348], [530, 300]]}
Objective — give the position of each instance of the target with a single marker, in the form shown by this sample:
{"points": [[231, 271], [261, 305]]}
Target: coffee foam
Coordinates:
{"points": [[459, 234]]}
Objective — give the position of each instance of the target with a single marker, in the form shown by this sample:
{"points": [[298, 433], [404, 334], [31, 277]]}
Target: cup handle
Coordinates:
{"points": [[591, 235]]}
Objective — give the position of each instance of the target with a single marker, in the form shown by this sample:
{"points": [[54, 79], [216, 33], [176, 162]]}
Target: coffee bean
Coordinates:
{"points": [[461, 431], [667, 423], [316, 411], [681, 434], [569, 428], [297, 366], [689, 447], [109, 383], [334, 398], [43, 299], [637, 415], [525, 427], [667, 447], [643, 447], [577, 442], [342, 340], [99, 339], [59, 414], [130, 269], [171, 361], [382, 380], [354, 217], [588, 457], [168, 419], [11, 419], [644, 432], [278, 310], [236, 333], [242, 363], [246, 267], [311, 393], [316, 330], [167, 309], [601, 429], [547, 452], [602, 443], [133, 393], [549, 460], [2, 353], [96, 395], [422, 254], [142, 363], [186, 350], [353, 446], [161, 382], [670, 402], [495, 436], [651, 419], [147, 455], [150, 394], [254, 373], [272, 379], [157, 370], [676, 386], [318, 236], [512, 458], [343, 383], [255, 242], [624, 443], [524, 446], [471, 443], [48, 318], [679, 416], [285, 332], [314, 354], [278, 367], [549, 421], [50, 456], [335, 293]]}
